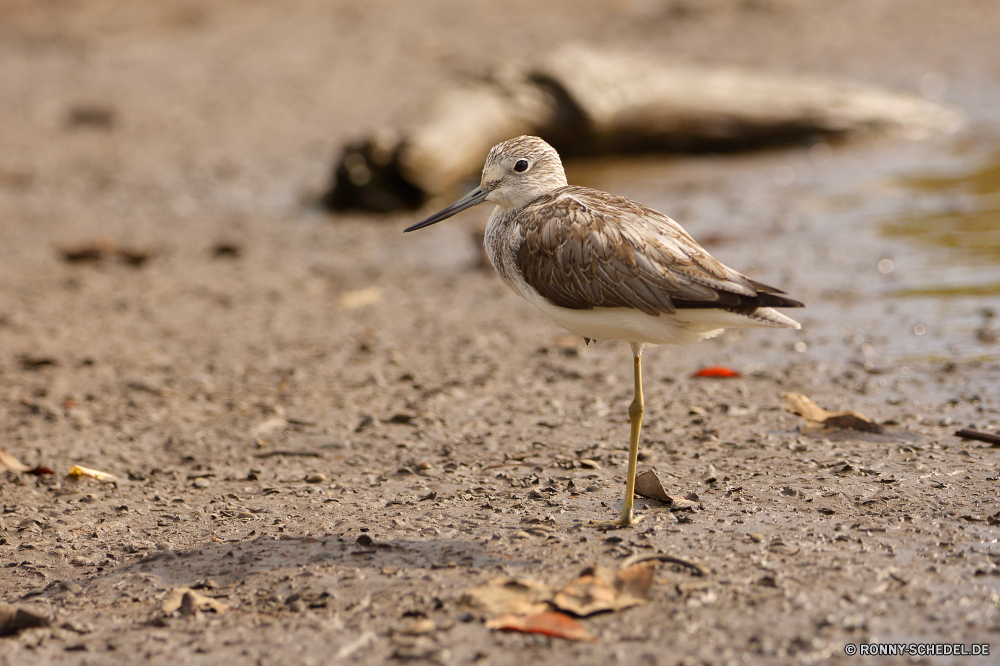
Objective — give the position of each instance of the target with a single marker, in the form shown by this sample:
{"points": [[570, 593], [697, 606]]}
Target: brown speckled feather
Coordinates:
{"points": [[583, 249]]}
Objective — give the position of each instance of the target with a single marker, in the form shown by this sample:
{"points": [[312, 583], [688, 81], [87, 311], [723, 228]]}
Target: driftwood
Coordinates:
{"points": [[584, 101]]}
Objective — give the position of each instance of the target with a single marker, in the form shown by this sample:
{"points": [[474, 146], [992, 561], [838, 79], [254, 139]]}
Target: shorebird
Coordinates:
{"points": [[607, 268]]}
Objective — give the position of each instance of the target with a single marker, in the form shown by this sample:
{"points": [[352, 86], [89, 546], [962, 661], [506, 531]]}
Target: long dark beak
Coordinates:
{"points": [[473, 198]]}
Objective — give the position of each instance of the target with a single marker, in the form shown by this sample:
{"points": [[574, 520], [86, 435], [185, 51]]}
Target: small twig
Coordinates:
{"points": [[696, 568], [968, 433], [512, 461], [285, 452]]}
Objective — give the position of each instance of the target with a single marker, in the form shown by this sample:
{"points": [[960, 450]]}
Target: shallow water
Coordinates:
{"points": [[968, 227]]}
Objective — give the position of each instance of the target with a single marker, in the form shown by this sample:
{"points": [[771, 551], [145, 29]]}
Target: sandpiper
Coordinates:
{"points": [[607, 268]]}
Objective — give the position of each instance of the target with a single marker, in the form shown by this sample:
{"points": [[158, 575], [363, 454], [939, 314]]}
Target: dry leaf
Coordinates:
{"points": [[796, 403], [509, 595], [849, 419], [549, 623], [359, 297], [648, 484], [14, 619], [637, 579], [599, 589], [593, 592], [189, 602], [8, 461], [76, 472]]}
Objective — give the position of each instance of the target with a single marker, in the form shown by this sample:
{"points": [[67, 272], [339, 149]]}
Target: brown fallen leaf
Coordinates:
{"points": [[9, 462], [848, 419], [189, 602], [599, 589], [549, 623], [77, 472], [804, 406], [636, 580], [648, 484], [593, 592], [508, 596]]}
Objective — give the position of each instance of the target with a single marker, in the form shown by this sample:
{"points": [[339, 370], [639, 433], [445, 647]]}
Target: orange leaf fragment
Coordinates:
{"points": [[717, 372], [549, 623], [77, 472]]}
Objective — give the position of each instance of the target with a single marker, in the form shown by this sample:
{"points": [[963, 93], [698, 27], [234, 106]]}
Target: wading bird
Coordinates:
{"points": [[607, 268]]}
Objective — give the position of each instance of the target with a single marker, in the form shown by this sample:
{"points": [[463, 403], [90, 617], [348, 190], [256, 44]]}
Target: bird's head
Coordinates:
{"points": [[517, 172]]}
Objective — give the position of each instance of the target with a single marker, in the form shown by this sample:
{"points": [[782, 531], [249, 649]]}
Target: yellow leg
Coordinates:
{"points": [[635, 411]]}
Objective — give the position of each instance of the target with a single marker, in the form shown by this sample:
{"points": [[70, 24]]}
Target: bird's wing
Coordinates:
{"points": [[582, 249]]}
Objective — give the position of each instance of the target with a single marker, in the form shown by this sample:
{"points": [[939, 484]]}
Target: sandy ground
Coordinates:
{"points": [[273, 383]]}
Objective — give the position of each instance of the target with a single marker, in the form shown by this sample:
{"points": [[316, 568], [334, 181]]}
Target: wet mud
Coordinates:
{"points": [[336, 431]]}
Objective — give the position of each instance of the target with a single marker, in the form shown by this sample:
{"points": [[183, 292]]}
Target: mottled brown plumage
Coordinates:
{"points": [[607, 268], [592, 249]]}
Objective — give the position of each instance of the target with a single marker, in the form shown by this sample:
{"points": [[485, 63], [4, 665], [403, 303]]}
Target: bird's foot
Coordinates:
{"points": [[621, 523]]}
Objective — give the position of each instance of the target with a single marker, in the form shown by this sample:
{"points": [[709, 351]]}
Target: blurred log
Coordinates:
{"points": [[584, 101], [638, 103], [466, 121]]}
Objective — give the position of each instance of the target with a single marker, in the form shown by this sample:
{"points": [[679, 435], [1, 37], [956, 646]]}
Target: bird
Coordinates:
{"points": [[605, 267]]}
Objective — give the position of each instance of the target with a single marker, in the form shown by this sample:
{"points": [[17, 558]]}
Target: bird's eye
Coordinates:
{"points": [[521, 166]]}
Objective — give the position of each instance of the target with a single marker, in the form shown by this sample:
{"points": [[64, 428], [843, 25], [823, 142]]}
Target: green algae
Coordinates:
{"points": [[971, 232]]}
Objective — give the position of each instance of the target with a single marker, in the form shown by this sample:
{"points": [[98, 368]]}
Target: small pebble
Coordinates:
{"points": [[201, 483], [89, 497], [316, 478]]}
